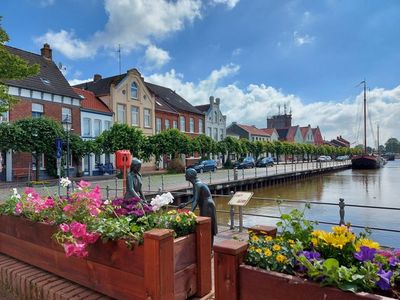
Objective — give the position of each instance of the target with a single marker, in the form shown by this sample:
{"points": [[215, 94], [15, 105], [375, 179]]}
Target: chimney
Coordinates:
{"points": [[46, 52], [217, 101], [96, 77], [211, 100]]}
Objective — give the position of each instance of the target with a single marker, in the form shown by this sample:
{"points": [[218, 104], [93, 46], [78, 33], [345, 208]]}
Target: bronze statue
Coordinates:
{"points": [[134, 181], [202, 197]]}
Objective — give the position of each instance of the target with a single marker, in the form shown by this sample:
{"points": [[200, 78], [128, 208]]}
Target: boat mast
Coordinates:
{"points": [[378, 140], [365, 117]]}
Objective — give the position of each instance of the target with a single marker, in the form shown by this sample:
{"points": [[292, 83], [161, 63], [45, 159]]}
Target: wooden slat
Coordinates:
{"points": [[110, 281], [203, 249], [184, 251], [186, 282]]}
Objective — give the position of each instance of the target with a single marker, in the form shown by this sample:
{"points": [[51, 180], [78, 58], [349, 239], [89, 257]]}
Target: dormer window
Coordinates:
{"points": [[134, 90], [45, 81]]}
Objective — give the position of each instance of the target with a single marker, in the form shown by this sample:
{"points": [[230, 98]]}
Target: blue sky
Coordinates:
{"points": [[253, 54]]}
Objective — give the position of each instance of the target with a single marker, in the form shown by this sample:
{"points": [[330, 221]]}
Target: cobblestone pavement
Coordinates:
{"points": [[171, 182]]}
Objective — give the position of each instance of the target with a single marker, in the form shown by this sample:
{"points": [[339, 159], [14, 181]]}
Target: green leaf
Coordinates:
{"points": [[348, 287], [330, 264]]}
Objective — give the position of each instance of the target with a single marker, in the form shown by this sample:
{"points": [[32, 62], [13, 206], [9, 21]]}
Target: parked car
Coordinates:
{"points": [[247, 162], [324, 158], [265, 162], [342, 157], [204, 166]]}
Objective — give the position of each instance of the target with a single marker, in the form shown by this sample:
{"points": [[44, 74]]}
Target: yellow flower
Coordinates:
{"points": [[276, 247], [314, 241], [291, 242], [249, 231], [268, 238], [258, 250], [254, 238], [263, 232], [340, 229], [318, 233], [252, 248], [367, 243], [178, 219], [267, 252], [172, 212], [280, 258]]}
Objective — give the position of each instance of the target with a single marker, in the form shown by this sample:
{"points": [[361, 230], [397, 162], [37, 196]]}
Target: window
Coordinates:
{"points": [[66, 114], [107, 125], [69, 161], [121, 113], [4, 117], [200, 126], [158, 125], [166, 124], [97, 127], [87, 124], [134, 90], [147, 118], [37, 110], [191, 125], [221, 134], [97, 160], [216, 134], [86, 163], [175, 124], [107, 158], [135, 115], [209, 131], [215, 117], [182, 124], [41, 162]]}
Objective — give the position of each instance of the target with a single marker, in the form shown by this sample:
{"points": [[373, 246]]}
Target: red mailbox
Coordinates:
{"points": [[123, 159]]}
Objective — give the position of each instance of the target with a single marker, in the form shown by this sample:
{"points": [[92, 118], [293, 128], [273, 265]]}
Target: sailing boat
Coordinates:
{"points": [[365, 160]]}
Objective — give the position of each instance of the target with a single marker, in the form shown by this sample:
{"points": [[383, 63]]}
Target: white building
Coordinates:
{"points": [[96, 117], [215, 121]]}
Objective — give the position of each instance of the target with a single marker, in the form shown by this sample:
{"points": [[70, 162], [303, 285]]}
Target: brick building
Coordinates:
{"points": [[46, 94]]}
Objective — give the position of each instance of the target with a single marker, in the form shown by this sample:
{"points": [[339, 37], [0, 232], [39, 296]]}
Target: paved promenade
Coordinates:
{"points": [[173, 182]]}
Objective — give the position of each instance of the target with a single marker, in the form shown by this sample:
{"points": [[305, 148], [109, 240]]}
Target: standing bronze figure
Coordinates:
{"points": [[134, 181], [202, 197]]}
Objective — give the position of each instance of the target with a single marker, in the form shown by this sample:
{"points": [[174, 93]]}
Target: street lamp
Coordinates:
{"points": [[67, 124]]}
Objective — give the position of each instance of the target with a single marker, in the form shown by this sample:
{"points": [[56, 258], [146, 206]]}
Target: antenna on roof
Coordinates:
{"points": [[284, 108], [119, 57], [279, 109], [61, 67]]}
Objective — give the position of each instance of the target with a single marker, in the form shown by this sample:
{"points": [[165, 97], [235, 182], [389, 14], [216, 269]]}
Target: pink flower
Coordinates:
{"points": [[64, 227], [67, 208], [69, 249], [18, 208], [83, 184], [94, 211], [91, 238], [49, 202], [80, 249], [78, 229]]}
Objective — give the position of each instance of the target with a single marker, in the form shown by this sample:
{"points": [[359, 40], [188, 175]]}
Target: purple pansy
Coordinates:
{"points": [[311, 255], [365, 254], [384, 279]]}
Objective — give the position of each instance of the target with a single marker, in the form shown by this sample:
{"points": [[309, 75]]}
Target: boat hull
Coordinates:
{"points": [[365, 162]]}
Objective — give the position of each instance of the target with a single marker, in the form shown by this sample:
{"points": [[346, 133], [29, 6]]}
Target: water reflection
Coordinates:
{"points": [[368, 187]]}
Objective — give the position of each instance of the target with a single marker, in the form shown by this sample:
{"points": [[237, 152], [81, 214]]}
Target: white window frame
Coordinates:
{"points": [[191, 125], [167, 125], [200, 126], [37, 108], [137, 113], [4, 117], [89, 131], [175, 124], [147, 118], [121, 114], [107, 125], [158, 125], [134, 87], [182, 123], [98, 121]]}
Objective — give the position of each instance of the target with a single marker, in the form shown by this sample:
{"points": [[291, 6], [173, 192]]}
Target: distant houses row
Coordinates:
{"points": [[93, 107]]}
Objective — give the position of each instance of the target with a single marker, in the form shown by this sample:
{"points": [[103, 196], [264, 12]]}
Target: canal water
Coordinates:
{"points": [[365, 187]]}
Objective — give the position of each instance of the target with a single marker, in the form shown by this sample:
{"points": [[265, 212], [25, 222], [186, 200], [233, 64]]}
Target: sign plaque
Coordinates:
{"points": [[241, 198]]}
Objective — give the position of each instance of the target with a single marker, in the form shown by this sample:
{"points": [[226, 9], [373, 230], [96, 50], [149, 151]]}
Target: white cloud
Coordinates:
{"points": [[302, 39], [67, 44], [229, 3], [45, 3], [131, 23], [76, 81], [237, 51], [156, 57], [253, 104]]}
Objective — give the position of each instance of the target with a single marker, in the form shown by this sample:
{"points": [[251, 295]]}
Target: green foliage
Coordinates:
{"points": [[171, 142], [176, 166], [392, 145], [204, 145], [12, 67]]}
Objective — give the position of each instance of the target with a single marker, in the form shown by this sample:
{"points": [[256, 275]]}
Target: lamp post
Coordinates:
{"points": [[67, 124]]}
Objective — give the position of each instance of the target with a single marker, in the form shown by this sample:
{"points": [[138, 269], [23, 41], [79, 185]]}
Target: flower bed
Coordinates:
{"points": [[110, 247], [312, 264]]}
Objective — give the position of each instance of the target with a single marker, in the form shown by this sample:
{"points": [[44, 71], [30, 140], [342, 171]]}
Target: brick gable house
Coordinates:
{"points": [[45, 94]]}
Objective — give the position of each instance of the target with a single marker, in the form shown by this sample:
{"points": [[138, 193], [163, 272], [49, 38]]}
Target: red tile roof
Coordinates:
{"points": [[318, 140], [304, 131], [90, 101], [269, 131], [291, 133], [253, 130]]}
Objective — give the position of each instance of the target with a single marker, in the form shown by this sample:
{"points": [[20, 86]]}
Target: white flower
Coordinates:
{"points": [[16, 195], [160, 201], [65, 182]]}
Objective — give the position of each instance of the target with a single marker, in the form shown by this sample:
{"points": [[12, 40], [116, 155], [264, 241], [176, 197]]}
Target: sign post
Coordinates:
{"points": [[58, 156], [240, 199]]}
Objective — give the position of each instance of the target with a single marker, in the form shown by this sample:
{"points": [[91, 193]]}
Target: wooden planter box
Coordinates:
{"points": [[161, 268], [235, 280]]}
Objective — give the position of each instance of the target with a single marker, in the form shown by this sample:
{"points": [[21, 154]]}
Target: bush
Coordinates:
{"points": [[176, 166], [228, 164]]}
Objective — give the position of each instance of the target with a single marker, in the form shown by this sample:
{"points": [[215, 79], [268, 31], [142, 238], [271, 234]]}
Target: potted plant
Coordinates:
{"points": [[125, 249], [304, 263]]}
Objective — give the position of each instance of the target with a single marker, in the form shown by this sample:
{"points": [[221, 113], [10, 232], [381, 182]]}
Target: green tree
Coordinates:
{"points": [[232, 146], [12, 67], [9, 136], [204, 145], [257, 149], [121, 137], [392, 145], [170, 142], [37, 136]]}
